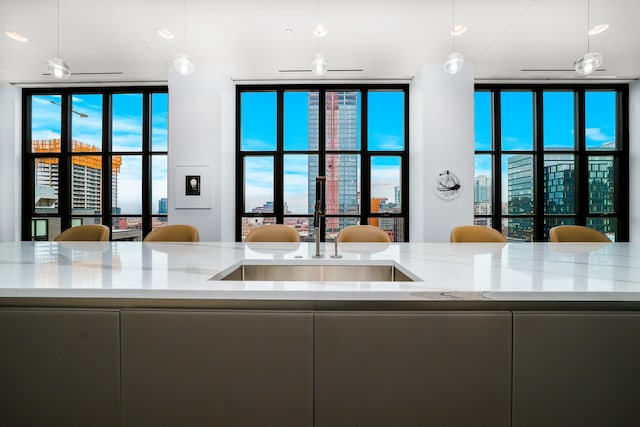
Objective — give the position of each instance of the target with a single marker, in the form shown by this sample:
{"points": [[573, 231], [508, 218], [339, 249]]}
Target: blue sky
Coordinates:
{"points": [[127, 136], [558, 119]]}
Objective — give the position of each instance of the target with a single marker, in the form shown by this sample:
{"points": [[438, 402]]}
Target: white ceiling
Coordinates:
{"points": [[387, 39]]}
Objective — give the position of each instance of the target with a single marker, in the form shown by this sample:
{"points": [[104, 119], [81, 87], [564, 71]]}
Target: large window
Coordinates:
{"points": [[94, 156], [551, 155], [354, 136]]}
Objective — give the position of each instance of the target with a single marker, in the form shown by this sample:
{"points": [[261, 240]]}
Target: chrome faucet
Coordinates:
{"points": [[318, 212]]}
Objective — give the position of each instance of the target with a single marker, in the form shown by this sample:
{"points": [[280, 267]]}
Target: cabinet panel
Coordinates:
{"points": [[59, 367], [413, 369], [217, 368], [576, 369]]}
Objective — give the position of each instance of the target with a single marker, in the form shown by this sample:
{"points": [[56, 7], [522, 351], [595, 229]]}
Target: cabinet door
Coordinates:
{"points": [[59, 367], [576, 369], [413, 369], [217, 368]]}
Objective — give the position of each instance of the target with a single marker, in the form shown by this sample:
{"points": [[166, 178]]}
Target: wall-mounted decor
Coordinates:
{"points": [[193, 187], [447, 186]]}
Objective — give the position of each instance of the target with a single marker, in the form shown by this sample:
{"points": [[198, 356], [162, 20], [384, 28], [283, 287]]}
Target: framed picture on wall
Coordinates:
{"points": [[193, 187]]}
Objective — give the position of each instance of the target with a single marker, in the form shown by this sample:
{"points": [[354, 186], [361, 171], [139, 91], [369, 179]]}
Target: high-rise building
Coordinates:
{"points": [[341, 170], [86, 177], [163, 207]]}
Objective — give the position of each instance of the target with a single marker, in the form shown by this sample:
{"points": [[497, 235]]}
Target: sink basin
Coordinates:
{"points": [[315, 273]]}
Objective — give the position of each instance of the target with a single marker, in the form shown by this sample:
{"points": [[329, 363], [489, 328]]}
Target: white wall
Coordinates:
{"points": [[441, 122], [202, 133], [634, 160], [10, 162]]}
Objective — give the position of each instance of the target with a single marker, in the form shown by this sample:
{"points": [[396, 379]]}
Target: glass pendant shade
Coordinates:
{"points": [[588, 63], [58, 68], [183, 64], [455, 62], [319, 65]]}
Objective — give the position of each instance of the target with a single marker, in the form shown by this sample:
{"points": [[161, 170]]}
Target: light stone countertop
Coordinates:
{"points": [[447, 272]]}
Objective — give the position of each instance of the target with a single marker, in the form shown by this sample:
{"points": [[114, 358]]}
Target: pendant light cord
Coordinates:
{"points": [[58, 33], [453, 24], [588, 22]]}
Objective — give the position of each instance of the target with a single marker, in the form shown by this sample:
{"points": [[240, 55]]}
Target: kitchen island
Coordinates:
{"points": [[134, 334]]}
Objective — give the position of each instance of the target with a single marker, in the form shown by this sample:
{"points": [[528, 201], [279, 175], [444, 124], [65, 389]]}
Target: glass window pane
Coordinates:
{"points": [[159, 121], [550, 222], [86, 122], [558, 120], [159, 185], [86, 185], [301, 121], [333, 225], [559, 184], [45, 229], [303, 225], [516, 120], [46, 122], [482, 189], [342, 115], [126, 228], [75, 221], [300, 171], [601, 184], [483, 129], [386, 189], [258, 184], [483, 220], [249, 223], [385, 124], [342, 188], [518, 229], [393, 226], [517, 181], [159, 221], [608, 226], [126, 185], [127, 122], [258, 121], [46, 185], [600, 118]]}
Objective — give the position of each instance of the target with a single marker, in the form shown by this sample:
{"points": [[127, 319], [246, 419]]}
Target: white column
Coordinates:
{"points": [[442, 138], [10, 162]]}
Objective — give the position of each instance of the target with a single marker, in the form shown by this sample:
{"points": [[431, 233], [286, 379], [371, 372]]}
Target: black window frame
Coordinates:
{"points": [[364, 152], [64, 212], [580, 153]]}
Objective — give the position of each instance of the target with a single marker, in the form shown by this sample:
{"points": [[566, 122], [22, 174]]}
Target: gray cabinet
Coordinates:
{"points": [[59, 367], [217, 368], [576, 369], [413, 369]]}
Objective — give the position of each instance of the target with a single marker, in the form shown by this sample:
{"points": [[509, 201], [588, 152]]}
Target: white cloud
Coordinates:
{"points": [[596, 134]]}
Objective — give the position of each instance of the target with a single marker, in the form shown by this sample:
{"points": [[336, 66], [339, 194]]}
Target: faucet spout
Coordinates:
{"points": [[318, 212]]}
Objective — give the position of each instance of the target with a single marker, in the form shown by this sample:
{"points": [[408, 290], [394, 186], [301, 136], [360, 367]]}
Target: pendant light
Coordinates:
{"points": [[590, 61], [455, 60], [319, 64], [56, 66], [182, 62]]}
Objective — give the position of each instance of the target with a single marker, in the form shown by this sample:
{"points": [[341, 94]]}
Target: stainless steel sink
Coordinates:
{"points": [[315, 273]]}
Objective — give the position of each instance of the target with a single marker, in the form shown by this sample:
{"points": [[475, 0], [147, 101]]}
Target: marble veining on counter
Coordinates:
{"points": [[455, 272]]}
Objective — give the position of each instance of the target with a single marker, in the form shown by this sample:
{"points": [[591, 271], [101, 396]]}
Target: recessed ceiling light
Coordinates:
{"points": [[16, 36], [166, 34], [288, 31], [458, 29], [600, 28], [320, 30]]}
